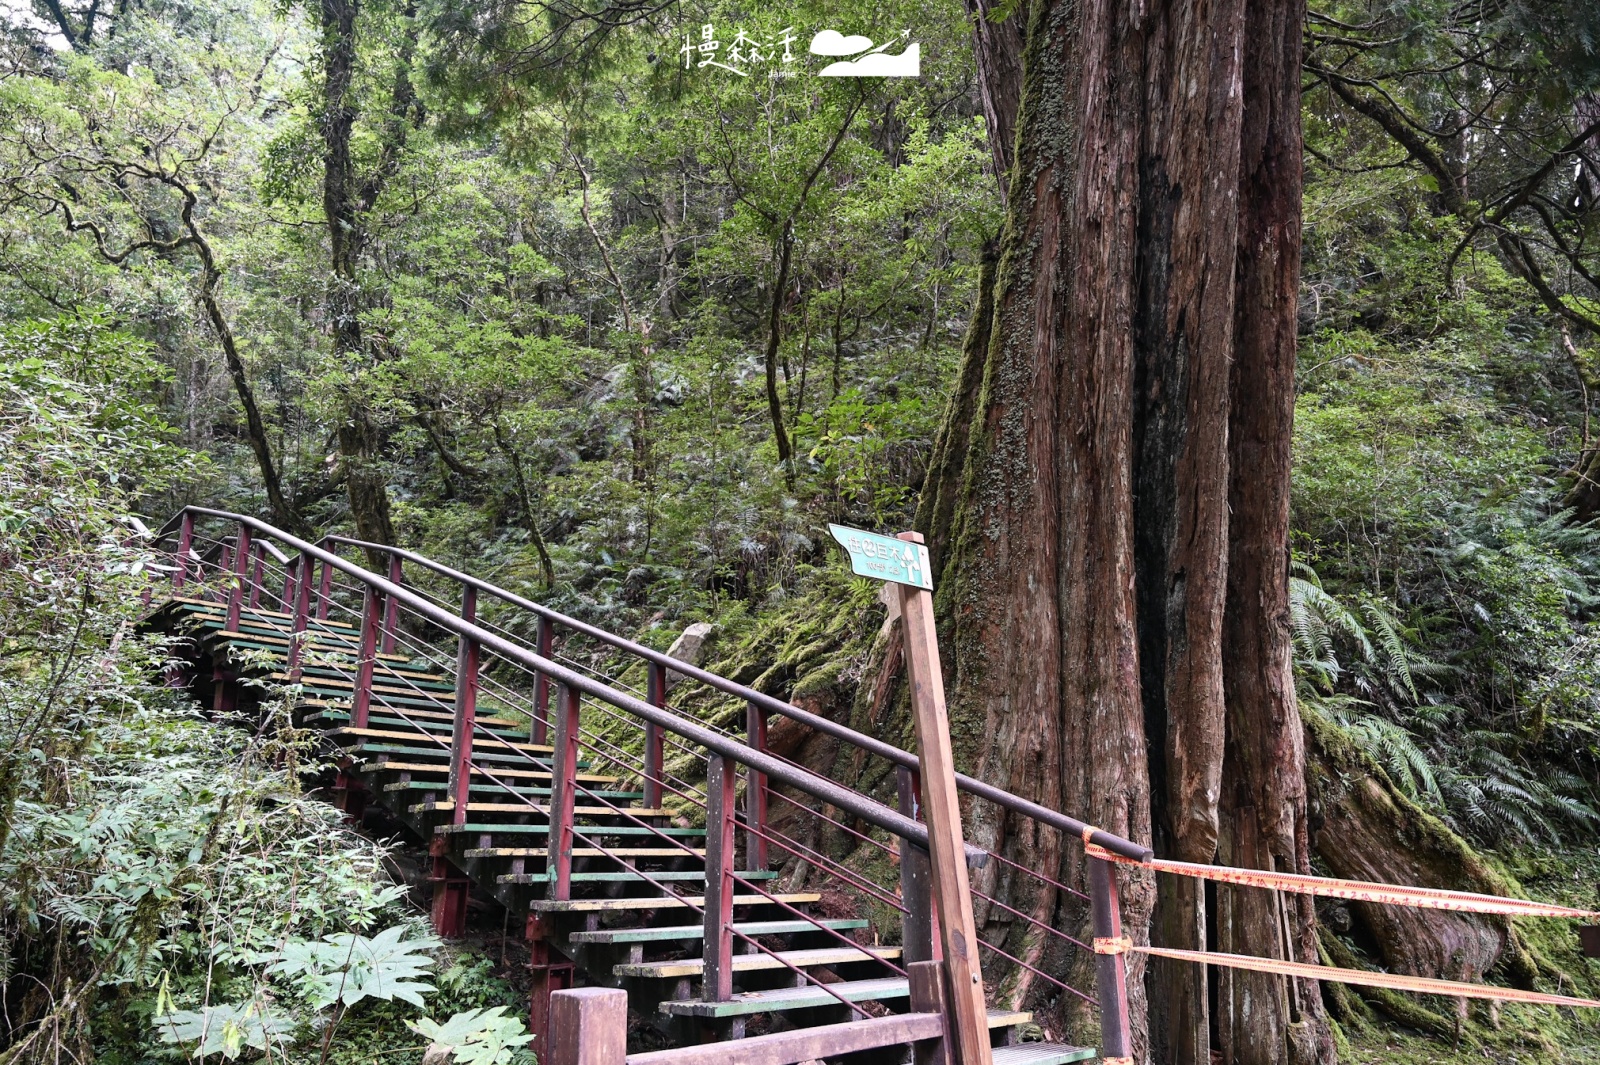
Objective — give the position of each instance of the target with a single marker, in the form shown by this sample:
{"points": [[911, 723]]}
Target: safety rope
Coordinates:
{"points": [[1355, 890]]}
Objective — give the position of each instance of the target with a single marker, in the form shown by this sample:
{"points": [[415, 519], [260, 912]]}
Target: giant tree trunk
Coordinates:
{"points": [[1122, 510], [347, 200], [1264, 795]]}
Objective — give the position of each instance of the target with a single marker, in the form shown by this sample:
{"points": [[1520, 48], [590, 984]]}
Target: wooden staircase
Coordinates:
{"points": [[609, 879]]}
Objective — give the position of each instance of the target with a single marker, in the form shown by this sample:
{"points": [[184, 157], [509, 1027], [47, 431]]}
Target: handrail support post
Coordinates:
{"points": [[755, 792], [563, 793], [361, 695], [654, 747], [1111, 970], [717, 977], [466, 711]]}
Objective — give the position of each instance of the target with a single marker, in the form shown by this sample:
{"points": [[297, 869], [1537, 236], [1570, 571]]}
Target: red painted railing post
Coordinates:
{"points": [[755, 792], [303, 567], [185, 548], [466, 711], [716, 984], [544, 644], [258, 571], [655, 695], [241, 567], [391, 607], [291, 576], [920, 925], [361, 701], [325, 585], [1111, 971], [563, 793]]}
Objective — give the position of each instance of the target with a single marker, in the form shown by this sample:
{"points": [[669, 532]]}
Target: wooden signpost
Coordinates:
{"points": [[904, 561]]}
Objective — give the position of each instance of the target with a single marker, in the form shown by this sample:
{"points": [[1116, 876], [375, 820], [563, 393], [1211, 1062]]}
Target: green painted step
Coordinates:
{"points": [[695, 931], [497, 789], [430, 725], [430, 751], [341, 678], [663, 877]]}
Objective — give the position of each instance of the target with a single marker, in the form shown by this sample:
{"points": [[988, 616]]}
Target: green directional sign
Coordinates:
{"points": [[885, 558]]}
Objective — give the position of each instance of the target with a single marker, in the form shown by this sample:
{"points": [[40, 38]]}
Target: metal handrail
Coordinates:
{"points": [[868, 809], [1004, 799]]}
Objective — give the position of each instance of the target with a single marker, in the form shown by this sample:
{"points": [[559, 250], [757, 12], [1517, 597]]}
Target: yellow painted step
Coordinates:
{"points": [[479, 742]]}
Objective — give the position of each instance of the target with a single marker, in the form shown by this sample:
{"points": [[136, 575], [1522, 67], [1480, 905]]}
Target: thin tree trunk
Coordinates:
{"points": [[780, 286], [530, 517], [997, 47], [255, 429]]}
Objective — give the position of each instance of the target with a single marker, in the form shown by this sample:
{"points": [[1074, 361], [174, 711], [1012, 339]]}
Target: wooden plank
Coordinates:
{"points": [[919, 930], [384, 765], [654, 876], [563, 801], [926, 983], [588, 1026], [587, 830], [779, 999], [806, 1044], [695, 931], [661, 902], [717, 986], [587, 852], [383, 734], [942, 811], [1043, 1054], [525, 808], [755, 962]]}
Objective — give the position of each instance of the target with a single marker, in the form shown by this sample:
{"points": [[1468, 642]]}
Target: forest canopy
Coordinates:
{"points": [[553, 293]]}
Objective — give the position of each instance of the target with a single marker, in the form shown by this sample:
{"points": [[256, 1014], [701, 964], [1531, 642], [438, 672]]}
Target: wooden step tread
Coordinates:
{"points": [[505, 789], [438, 805], [429, 721], [385, 765], [824, 1041], [801, 959], [791, 998], [430, 686], [662, 902], [585, 852], [428, 745], [586, 830], [883, 989], [626, 877], [248, 638], [207, 606], [1042, 1054], [546, 851], [435, 715], [384, 734], [696, 931], [277, 649]]}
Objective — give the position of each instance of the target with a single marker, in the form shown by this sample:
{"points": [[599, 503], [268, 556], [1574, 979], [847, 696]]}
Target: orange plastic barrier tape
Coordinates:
{"points": [[1394, 981], [1357, 890]]}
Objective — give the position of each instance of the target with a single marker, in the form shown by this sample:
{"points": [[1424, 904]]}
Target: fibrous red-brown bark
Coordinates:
{"points": [[1116, 570]]}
